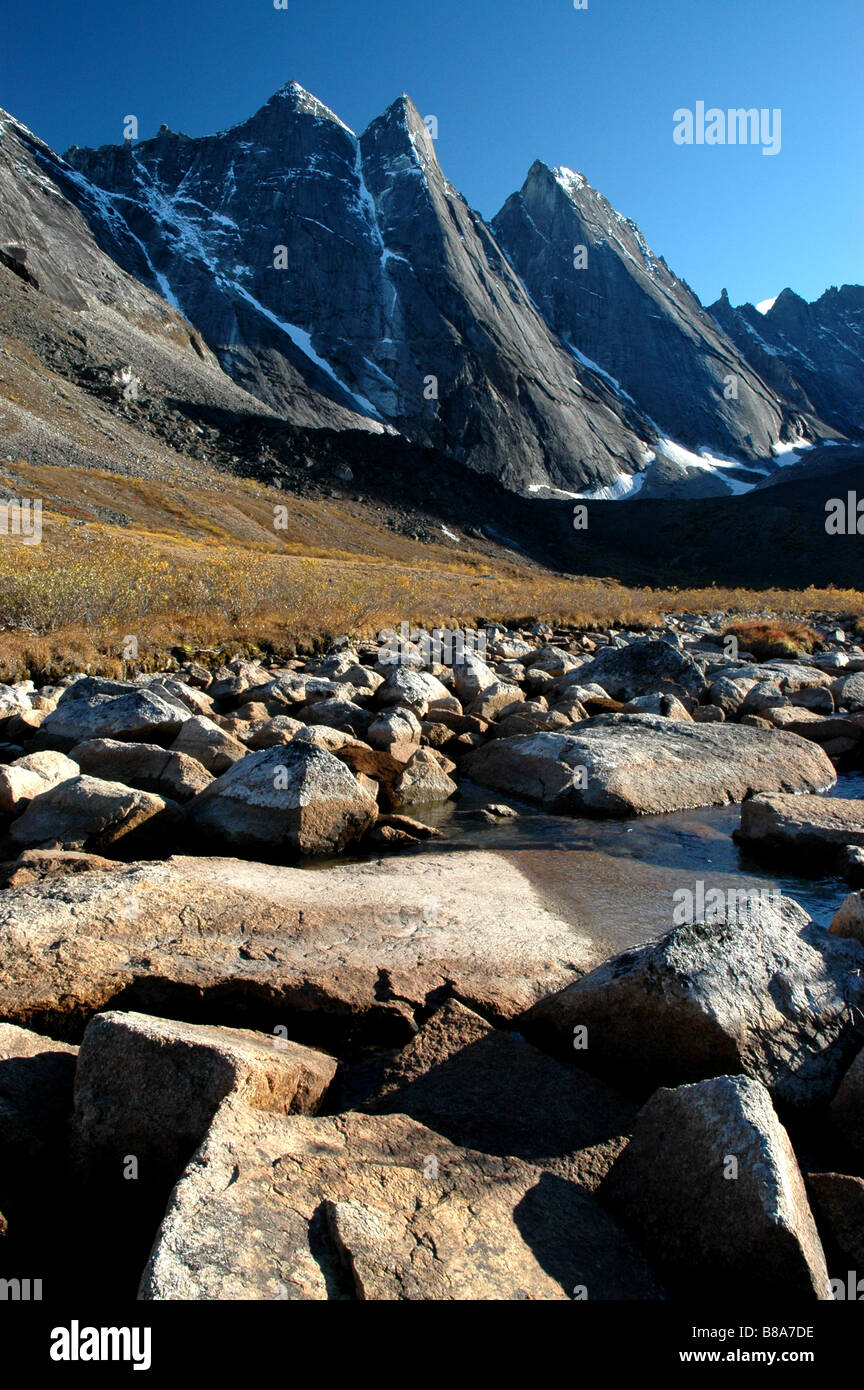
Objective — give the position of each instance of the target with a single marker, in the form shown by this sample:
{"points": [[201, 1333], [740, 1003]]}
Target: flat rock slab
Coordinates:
{"points": [[762, 991], [353, 954], [812, 828], [150, 1086], [378, 1207], [710, 1187], [489, 1089], [632, 764]]}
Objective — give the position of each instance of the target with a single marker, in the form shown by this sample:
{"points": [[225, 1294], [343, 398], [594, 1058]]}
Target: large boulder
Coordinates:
{"points": [[361, 955], [322, 736], [710, 1187], [728, 693], [211, 746], [174, 691], [423, 780], [88, 813], [272, 733], [809, 829], [849, 691], [668, 705], [396, 724], [620, 765], [363, 681], [138, 714], [294, 800], [418, 690], [791, 676], [471, 676], [339, 714], [143, 765], [31, 775], [761, 990], [645, 666], [553, 660], [487, 1088], [376, 765], [848, 920], [378, 1208], [149, 1087], [493, 699], [33, 864]]}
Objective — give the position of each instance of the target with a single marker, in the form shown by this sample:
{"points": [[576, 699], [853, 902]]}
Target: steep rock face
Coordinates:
{"points": [[811, 354], [80, 302], [52, 229], [627, 312], [385, 280]]}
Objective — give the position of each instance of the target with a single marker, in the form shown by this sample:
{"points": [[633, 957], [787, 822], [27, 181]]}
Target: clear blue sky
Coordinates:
{"points": [[510, 81]]}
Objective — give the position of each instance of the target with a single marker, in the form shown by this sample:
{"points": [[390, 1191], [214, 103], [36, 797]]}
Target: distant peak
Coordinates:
{"points": [[570, 181], [306, 103], [788, 296], [402, 130], [404, 111], [539, 169], [571, 184], [765, 305]]}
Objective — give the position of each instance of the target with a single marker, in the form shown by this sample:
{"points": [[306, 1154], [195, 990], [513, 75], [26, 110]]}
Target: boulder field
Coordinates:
{"points": [[409, 1076]]}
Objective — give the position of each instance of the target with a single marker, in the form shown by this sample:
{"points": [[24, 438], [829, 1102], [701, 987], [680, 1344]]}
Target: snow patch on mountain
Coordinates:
{"points": [[625, 486]]}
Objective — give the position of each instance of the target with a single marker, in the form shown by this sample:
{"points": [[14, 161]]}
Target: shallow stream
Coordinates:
{"points": [[615, 879]]}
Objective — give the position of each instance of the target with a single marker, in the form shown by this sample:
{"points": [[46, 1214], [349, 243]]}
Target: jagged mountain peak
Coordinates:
{"points": [[787, 299], [571, 181], [401, 134], [291, 108], [811, 353], [316, 262], [343, 281], [304, 102], [548, 191], [618, 306]]}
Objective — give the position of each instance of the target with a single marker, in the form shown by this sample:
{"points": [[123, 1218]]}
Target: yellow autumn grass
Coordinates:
{"points": [[69, 603]]}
